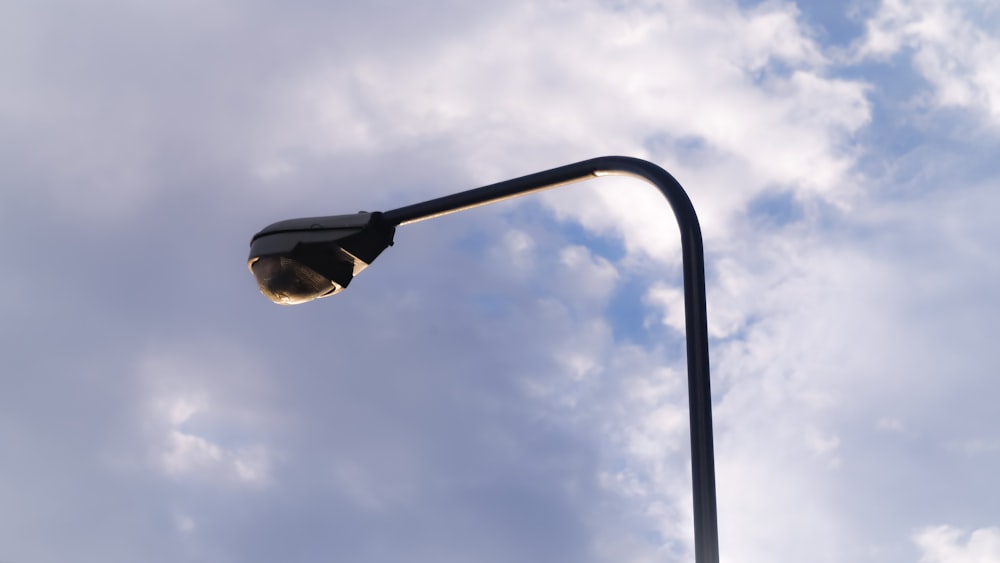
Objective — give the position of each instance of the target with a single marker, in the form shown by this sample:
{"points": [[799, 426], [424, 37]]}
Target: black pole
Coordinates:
{"points": [[706, 528]]}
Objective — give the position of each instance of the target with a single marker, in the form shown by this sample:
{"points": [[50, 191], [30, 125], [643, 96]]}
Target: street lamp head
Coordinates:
{"points": [[300, 260]]}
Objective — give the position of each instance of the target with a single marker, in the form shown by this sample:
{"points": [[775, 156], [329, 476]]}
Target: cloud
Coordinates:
{"points": [[601, 80], [940, 544], [952, 45], [508, 383]]}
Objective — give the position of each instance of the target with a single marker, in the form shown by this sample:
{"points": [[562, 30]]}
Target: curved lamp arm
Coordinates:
{"points": [[303, 259], [696, 324]]}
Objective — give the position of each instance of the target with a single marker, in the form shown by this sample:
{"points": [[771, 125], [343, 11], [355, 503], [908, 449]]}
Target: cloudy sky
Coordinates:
{"points": [[504, 384]]}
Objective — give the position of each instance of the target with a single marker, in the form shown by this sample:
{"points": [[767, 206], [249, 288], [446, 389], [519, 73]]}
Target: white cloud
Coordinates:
{"points": [[184, 523], [890, 424], [186, 453], [188, 404], [594, 278], [978, 446], [671, 300], [954, 46], [946, 544], [706, 89]]}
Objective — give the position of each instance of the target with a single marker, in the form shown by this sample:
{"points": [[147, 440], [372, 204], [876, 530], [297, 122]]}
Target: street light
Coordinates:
{"points": [[304, 259]]}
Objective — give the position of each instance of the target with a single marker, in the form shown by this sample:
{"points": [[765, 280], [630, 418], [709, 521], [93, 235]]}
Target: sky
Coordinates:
{"points": [[506, 383]]}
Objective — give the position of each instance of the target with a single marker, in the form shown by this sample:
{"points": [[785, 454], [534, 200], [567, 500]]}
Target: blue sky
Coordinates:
{"points": [[504, 384]]}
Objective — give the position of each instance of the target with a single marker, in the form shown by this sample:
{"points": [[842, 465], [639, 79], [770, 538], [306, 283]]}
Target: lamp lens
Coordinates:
{"points": [[288, 282]]}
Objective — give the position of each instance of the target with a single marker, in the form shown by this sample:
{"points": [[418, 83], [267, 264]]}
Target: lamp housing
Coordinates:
{"points": [[299, 260]]}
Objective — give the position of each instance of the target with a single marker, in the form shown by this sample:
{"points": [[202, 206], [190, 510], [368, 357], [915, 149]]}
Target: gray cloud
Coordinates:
{"points": [[480, 393]]}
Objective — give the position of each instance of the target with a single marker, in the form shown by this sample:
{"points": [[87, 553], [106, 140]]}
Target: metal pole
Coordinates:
{"points": [[706, 528]]}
